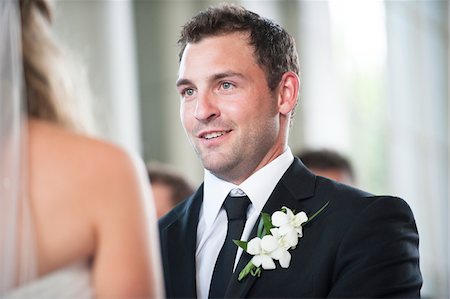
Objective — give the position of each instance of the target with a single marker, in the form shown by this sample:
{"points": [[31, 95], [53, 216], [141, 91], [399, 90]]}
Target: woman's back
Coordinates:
{"points": [[90, 205], [91, 216]]}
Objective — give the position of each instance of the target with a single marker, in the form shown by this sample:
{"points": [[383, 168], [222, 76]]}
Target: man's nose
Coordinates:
{"points": [[206, 107]]}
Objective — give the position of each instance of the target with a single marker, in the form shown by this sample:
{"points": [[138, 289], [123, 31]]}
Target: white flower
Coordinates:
{"points": [[276, 235], [284, 236], [283, 256], [286, 241], [288, 223], [262, 250]]}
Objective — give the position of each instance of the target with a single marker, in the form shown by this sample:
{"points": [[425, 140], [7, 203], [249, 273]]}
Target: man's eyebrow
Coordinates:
{"points": [[183, 82], [225, 75], [214, 77]]}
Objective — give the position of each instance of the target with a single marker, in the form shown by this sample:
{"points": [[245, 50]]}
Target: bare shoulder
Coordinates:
{"points": [[70, 170], [81, 158], [85, 179]]}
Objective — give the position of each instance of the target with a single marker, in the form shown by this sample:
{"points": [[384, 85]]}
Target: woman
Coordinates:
{"points": [[87, 232]]}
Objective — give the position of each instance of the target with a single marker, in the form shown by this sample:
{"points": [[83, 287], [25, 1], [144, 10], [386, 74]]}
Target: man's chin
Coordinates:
{"points": [[218, 169], [214, 168]]}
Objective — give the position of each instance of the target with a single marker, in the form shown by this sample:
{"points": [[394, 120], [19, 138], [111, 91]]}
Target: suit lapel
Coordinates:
{"points": [[296, 184], [181, 237]]}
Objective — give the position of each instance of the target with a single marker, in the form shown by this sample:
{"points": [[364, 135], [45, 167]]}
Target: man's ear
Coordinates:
{"points": [[288, 92]]}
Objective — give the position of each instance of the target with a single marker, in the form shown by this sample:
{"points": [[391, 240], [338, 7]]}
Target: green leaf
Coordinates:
{"points": [[316, 213], [267, 223], [242, 244], [260, 228], [247, 269]]}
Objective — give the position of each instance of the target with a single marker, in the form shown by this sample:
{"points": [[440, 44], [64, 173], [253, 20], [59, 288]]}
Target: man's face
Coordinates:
{"points": [[227, 110]]}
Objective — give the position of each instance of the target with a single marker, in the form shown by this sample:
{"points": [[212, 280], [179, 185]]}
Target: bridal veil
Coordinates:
{"points": [[17, 248]]}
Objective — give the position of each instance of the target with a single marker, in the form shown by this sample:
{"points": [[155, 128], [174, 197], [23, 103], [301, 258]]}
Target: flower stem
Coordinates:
{"points": [[316, 213], [247, 269]]}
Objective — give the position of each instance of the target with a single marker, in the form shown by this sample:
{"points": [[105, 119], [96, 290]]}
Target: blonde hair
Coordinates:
{"points": [[50, 86]]}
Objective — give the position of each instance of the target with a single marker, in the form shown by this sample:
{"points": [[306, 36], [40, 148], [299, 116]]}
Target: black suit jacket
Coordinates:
{"points": [[360, 246]]}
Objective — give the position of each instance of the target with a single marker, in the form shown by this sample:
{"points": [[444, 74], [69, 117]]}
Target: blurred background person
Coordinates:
{"points": [[169, 186], [76, 216], [328, 163]]}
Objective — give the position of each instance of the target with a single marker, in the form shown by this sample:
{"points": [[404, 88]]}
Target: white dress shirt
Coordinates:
{"points": [[213, 223]]}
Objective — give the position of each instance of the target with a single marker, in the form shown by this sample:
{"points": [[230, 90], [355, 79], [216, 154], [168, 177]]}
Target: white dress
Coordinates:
{"points": [[71, 282]]}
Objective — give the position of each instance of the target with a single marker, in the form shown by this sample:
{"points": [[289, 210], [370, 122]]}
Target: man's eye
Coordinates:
{"points": [[227, 85], [188, 92]]}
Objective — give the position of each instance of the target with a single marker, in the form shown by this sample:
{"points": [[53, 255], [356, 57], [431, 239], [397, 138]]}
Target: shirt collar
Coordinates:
{"points": [[258, 186]]}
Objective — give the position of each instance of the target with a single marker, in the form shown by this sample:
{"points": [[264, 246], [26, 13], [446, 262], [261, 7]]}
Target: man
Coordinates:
{"points": [[169, 187], [329, 164], [238, 83]]}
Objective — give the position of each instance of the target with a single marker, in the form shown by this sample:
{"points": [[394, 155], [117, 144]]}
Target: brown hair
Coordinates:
{"points": [[49, 86], [274, 48], [166, 175], [326, 159]]}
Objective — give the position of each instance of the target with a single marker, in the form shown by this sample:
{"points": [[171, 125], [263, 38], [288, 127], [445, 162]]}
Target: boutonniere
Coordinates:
{"points": [[277, 234]]}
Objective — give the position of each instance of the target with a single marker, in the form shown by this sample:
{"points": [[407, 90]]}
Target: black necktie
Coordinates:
{"points": [[236, 208]]}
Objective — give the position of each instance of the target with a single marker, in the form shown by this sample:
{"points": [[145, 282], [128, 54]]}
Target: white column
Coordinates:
{"points": [[320, 107], [102, 34]]}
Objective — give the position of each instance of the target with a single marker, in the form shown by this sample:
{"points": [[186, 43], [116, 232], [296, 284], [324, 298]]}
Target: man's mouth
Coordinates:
{"points": [[212, 135]]}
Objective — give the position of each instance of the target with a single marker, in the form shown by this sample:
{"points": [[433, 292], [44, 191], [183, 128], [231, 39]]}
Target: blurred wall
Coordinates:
{"points": [[158, 24], [418, 64], [101, 34]]}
